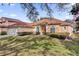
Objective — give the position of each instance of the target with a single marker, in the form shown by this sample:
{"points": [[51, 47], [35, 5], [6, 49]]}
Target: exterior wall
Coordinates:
{"points": [[18, 29], [48, 28], [59, 28], [69, 29], [25, 29], [3, 29], [6, 23]]}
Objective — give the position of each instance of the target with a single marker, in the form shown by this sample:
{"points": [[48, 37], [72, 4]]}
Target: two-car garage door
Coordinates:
{"points": [[12, 31]]}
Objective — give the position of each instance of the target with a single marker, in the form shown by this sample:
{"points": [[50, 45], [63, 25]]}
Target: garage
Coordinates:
{"points": [[12, 31]]}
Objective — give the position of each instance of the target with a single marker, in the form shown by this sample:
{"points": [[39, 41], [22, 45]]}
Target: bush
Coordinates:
{"points": [[37, 33], [3, 33], [58, 35], [73, 46], [76, 35], [24, 33]]}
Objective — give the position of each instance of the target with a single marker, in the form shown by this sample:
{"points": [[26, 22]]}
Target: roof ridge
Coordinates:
{"points": [[10, 19]]}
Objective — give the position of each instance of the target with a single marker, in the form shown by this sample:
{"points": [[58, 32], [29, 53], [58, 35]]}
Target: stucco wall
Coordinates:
{"points": [[25, 29], [59, 28], [18, 29], [3, 29]]}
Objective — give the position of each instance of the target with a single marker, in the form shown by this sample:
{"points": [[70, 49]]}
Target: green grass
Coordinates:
{"points": [[44, 45]]}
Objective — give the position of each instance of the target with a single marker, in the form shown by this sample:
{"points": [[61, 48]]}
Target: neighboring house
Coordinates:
{"points": [[12, 26], [52, 25]]}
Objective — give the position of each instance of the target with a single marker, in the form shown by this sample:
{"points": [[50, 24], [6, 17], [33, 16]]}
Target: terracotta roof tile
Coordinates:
{"points": [[16, 23], [52, 21]]}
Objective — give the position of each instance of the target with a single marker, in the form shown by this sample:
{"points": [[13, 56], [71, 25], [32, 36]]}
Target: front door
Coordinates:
{"points": [[43, 28]]}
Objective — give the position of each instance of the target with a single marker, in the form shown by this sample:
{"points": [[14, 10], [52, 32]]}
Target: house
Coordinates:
{"points": [[52, 25], [44, 25], [13, 26]]}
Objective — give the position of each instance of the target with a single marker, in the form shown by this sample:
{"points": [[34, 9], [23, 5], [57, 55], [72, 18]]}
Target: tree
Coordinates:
{"points": [[75, 11], [48, 9], [32, 13]]}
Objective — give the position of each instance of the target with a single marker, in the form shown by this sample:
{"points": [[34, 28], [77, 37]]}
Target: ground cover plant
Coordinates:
{"points": [[43, 45]]}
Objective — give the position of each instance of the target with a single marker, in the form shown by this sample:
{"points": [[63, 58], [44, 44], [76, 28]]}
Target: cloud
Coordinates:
{"points": [[1, 10], [72, 3], [12, 4], [13, 15]]}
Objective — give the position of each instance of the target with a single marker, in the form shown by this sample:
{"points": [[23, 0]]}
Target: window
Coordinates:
{"points": [[52, 29], [37, 29], [64, 27]]}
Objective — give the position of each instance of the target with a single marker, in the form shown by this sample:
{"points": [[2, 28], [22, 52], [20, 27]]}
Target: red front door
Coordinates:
{"points": [[43, 28]]}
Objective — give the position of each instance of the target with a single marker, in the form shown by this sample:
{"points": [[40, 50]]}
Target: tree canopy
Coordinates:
{"points": [[32, 12]]}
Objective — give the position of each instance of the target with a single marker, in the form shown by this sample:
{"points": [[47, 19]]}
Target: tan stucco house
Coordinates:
{"points": [[52, 25]]}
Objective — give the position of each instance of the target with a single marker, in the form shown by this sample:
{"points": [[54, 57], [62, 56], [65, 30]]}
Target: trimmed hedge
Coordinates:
{"points": [[3, 33], [59, 35], [24, 33]]}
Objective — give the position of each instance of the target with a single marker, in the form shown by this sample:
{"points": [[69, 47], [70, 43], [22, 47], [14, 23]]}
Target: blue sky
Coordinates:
{"points": [[15, 11]]}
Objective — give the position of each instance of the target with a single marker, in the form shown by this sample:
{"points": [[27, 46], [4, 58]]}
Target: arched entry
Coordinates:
{"points": [[52, 29], [37, 30]]}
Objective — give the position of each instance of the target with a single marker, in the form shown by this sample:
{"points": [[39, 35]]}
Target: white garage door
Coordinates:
{"points": [[12, 31]]}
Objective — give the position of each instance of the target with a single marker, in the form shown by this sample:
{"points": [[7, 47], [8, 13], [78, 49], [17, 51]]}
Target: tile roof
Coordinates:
{"points": [[21, 24], [16, 23], [9, 19], [52, 21]]}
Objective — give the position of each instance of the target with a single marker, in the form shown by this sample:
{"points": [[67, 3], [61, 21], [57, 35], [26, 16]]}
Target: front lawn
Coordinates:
{"points": [[37, 45]]}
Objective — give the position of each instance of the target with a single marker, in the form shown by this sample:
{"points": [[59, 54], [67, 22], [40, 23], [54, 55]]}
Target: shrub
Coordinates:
{"points": [[73, 46], [24, 33], [37, 33], [76, 35], [58, 35], [3, 33]]}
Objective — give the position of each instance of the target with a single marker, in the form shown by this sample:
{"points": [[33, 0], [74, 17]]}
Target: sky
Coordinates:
{"points": [[15, 11]]}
